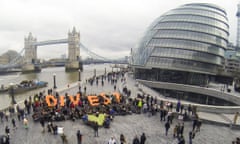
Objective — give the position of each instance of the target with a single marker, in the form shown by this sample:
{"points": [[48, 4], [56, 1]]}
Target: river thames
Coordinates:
{"points": [[62, 79]]}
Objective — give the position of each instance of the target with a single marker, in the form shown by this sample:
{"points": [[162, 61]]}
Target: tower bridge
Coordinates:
{"points": [[31, 44], [27, 58], [51, 42]]}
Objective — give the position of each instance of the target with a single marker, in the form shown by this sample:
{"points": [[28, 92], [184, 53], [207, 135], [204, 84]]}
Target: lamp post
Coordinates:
{"points": [[12, 93], [54, 81], [94, 73], [79, 80], [79, 75]]}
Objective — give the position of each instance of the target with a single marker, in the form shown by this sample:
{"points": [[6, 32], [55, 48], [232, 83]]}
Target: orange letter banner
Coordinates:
{"points": [[75, 101], [107, 101], [62, 101], [93, 100], [117, 95], [53, 101]]}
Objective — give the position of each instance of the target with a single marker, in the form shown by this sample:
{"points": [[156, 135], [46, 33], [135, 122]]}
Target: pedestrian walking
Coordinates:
{"points": [[7, 130], [235, 117], [64, 139], [7, 115], [199, 124], [167, 126], [189, 109], [181, 140], [182, 129], [112, 141], [14, 124], [122, 139], [95, 127], [19, 115], [136, 140], [25, 123], [195, 121], [182, 107], [1, 116], [143, 138], [85, 89], [178, 106], [5, 140], [42, 122], [162, 115], [79, 137], [191, 136], [175, 131], [178, 130]]}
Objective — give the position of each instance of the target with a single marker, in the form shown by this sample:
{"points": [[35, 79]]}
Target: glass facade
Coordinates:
{"points": [[189, 39]]}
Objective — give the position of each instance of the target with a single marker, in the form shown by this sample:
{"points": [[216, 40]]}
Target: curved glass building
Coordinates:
{"points": [[185, 45]]}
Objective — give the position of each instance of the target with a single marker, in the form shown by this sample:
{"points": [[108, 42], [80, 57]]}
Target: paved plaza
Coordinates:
{"points": [[129, 126]]}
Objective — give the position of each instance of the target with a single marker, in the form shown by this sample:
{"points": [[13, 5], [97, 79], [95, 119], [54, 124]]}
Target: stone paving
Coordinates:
{"points": [[129, 125]]}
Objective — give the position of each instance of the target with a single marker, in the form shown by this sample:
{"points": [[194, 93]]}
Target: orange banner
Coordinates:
{"points": [[93, 100], [75, 101], [51, 101]]}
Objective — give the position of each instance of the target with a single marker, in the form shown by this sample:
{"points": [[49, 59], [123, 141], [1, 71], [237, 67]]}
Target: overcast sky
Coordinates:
{"points": [[110, 28]]}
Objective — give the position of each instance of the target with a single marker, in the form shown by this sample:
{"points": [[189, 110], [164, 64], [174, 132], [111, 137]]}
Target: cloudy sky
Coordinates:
{"points": [[109, 28]]}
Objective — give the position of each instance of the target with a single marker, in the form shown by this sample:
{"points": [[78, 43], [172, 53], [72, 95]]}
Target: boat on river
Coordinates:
{"points": [[3, 89], [27, 85]]}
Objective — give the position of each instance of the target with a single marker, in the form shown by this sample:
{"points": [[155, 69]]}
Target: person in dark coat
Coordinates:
{"points": [[79, 137], [42, 122], [95, 127], [136, 140], [1, 116], [191, 136], [7, 130], [195, 121], [181, 140], [182, 129], [161, 114], [178, 106], [167, 126], [143, 138], [4, 140], [14, 123]]}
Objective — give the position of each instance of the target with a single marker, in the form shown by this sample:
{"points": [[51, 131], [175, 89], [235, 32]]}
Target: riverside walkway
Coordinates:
{"points": [[129, 125]]}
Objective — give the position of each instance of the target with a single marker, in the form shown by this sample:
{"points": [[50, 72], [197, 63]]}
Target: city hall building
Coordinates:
{"points": [[184, 46]]}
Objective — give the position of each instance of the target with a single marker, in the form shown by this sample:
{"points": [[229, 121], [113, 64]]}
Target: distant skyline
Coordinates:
{"points": [[110, 28]]}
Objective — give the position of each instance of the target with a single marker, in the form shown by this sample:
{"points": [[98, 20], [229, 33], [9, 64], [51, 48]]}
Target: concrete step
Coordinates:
{"points": [[215, 118], [227, 118]]}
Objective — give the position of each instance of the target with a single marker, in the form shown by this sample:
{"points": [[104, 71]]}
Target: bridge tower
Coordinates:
{"points": [[73, 62], [238, 27], [30, 58]]}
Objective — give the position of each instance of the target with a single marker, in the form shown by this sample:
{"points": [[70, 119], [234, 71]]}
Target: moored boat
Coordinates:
{"points": [[27, 85], [3, 89]]}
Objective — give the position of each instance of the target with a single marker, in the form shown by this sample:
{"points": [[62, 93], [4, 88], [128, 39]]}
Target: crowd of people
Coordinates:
{"points": [[142, 104], [150, 105]]}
